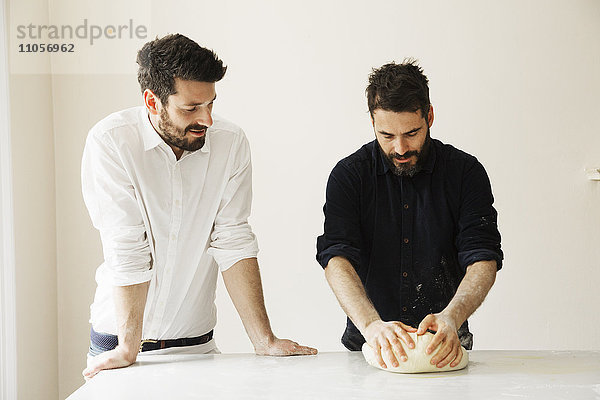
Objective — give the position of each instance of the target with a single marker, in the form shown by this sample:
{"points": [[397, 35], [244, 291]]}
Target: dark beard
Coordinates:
{"points": [[408, 170], [175, 136]]}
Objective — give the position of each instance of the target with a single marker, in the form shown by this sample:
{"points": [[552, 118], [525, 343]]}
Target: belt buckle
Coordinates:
{"points": [[146, 341]]}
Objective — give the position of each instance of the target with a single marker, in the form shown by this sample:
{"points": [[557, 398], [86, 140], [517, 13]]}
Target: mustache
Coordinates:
{"points": [[404, 156], [196, 127]]}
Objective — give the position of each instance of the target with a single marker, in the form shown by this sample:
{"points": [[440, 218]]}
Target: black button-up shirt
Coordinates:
{"points": [[409, 239]]}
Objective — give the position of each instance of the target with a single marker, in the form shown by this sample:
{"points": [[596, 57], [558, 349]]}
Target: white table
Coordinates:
{"points": [[544, 375]]}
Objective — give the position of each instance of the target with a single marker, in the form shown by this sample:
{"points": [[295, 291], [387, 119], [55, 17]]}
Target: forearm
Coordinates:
{"points": [[471, 292], [350, 292], [244, 286], [130, 302]]}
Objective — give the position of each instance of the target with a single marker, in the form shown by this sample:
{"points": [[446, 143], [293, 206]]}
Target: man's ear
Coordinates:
{"points": [[430, 116], [152, 102]]}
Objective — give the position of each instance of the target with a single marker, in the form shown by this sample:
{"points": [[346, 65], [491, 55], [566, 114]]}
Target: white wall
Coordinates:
{"points": [[514, 83], [32, 148], [8, 329], [35, 237]]}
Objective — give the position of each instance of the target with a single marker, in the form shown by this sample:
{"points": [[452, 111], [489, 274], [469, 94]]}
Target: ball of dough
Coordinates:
{"points": [[417, 360]]}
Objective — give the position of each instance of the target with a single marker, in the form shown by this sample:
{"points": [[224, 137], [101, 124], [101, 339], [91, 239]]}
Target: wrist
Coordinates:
{"points": [[365, 324], [452, 317], [263, 341], [128, 353]]}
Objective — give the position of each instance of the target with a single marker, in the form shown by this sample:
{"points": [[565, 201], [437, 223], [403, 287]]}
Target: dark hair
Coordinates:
{"points": [[176, 56], [398, 87]]}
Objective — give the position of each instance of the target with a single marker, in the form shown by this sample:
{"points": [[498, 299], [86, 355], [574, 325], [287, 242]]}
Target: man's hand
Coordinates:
{"points": [[283, 347], [116, 358], [446, 337], [384, 338]]}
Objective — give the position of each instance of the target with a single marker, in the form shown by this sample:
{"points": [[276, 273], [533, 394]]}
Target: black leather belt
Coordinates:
{"points": [[149, 344], [106, 341]]}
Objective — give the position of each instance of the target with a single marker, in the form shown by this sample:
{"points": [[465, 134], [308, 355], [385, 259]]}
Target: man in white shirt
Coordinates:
{"points": [[169, 188]]}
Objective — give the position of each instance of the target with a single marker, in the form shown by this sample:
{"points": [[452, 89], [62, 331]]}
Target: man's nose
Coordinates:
{"points": [[204, 117], [400, 146]]}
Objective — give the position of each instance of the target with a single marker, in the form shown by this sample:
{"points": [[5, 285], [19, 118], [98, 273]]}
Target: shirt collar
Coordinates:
{"points": [[382, 166], [152, 139], [149, 136]]}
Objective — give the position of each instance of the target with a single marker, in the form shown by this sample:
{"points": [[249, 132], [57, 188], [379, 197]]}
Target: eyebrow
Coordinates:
{"points": [[404, 133], [199, 104]]}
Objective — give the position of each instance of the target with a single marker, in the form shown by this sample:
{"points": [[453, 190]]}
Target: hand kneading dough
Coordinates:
{"points": [[418, 360]]}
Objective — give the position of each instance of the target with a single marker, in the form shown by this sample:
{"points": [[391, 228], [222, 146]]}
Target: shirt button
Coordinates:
{"points": [[173, 236], [406, 206], [405, 240], [404, 309], [177, 202], [404, 274]]}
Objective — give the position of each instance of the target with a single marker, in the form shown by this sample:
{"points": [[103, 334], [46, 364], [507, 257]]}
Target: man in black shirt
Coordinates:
{"points": [[410, 241]]}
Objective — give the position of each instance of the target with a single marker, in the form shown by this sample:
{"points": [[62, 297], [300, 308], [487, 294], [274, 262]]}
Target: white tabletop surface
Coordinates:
{"points": [[346, 375]]}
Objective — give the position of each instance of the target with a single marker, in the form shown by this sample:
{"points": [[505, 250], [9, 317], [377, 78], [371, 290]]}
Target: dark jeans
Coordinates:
{"points": [[101, 342]]}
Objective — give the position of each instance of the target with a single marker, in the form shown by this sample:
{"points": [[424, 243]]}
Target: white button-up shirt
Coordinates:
{"points": [[167, 221]]}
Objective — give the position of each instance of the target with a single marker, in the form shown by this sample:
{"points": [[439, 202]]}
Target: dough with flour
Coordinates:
{"points": [[417, 360]]}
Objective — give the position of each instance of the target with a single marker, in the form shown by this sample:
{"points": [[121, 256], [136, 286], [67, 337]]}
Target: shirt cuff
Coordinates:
{"points": [[131, 278], [226, 258], [466, 258], [350, 253]]}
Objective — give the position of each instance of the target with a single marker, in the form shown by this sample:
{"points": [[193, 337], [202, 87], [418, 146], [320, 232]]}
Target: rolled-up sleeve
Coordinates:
{"points": [[341, 236], [232, 238], [111, 201], [478, 237]]}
